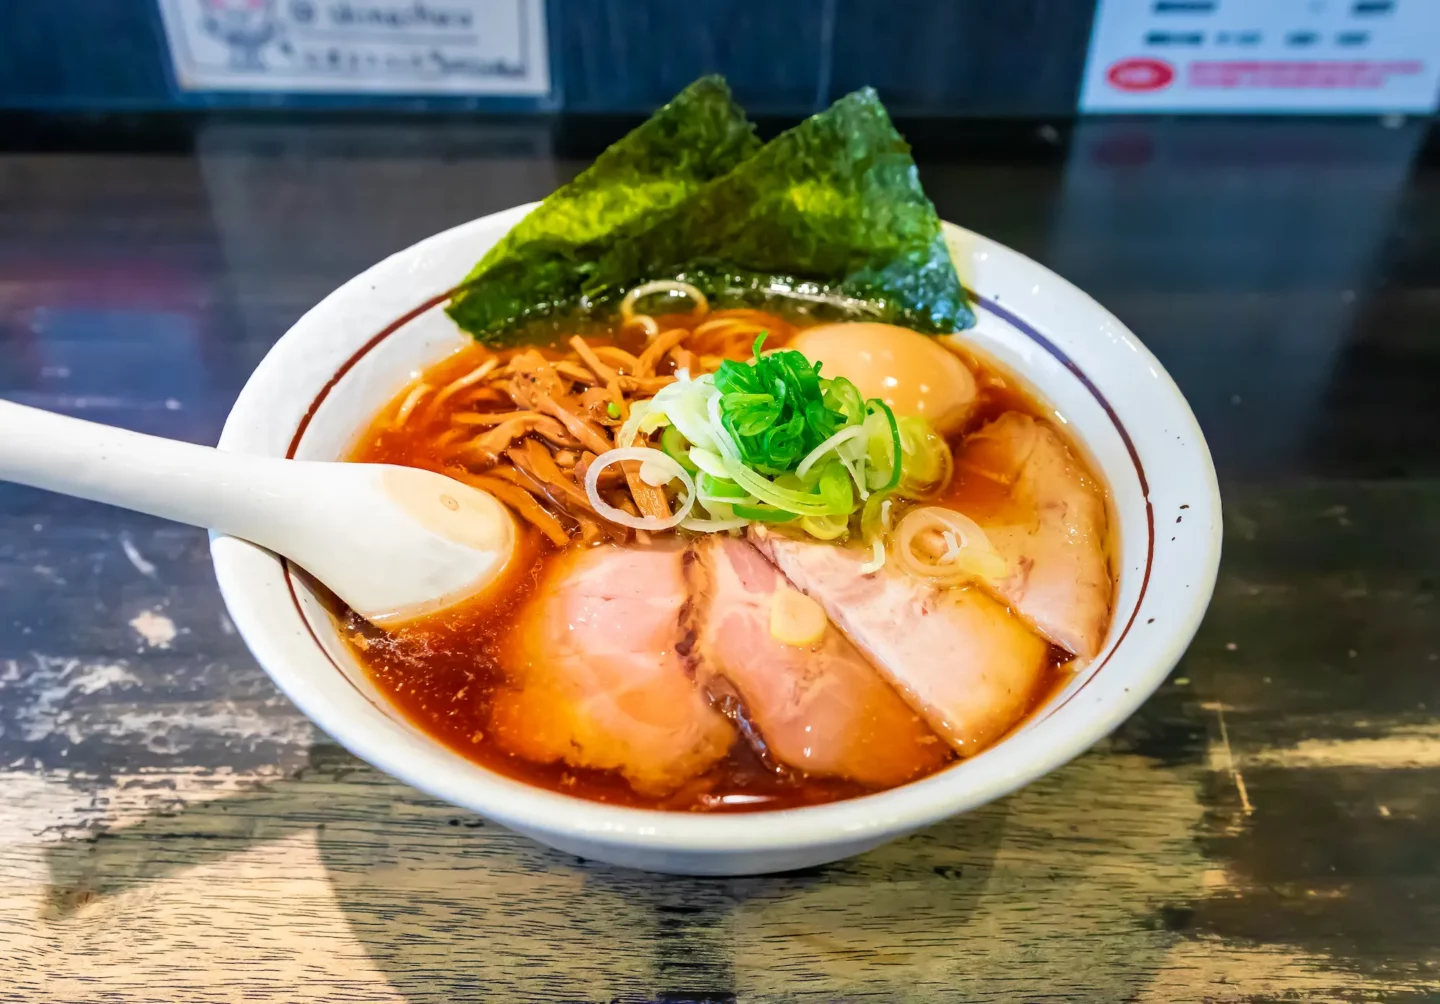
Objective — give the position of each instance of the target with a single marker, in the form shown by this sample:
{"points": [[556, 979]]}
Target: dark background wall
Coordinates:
{"points": [[1011, 58]]}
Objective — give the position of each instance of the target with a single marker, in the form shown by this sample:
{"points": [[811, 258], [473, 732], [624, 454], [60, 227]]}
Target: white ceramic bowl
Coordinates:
{"points": [[332, 371]]}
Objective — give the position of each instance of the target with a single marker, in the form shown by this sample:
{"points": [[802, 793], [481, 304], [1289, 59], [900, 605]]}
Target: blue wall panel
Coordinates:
{"points": [[1009, 57], [785, 57], [625, 55], [82, 54]]}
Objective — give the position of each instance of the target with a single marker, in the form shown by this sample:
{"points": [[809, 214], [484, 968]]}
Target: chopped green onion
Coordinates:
{"points": [[803, 503], [834, 488], [843, 397], [771, 440], [833, 443], [721, 488], [612, 409], [825, 527], [928, 462], [896, 452], [674, 443], [763, 514], [872, 515], [777, 409], [711, 463]]}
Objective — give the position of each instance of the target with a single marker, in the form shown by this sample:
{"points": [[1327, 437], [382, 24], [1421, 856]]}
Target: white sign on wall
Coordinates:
{"points": [[1263, 56], [492, 48]]}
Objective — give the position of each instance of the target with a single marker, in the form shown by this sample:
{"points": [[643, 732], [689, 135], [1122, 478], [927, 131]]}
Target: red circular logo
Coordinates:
{"points": [[1140, 74]]}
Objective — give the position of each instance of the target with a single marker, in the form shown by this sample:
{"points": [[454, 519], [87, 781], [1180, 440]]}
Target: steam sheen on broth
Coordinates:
{"points": [[757, 667]]}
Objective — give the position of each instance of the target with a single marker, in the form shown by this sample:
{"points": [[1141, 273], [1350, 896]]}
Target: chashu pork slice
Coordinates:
{"points": [[1046, 517], [594, 677], [958, 657], [819, 706]]}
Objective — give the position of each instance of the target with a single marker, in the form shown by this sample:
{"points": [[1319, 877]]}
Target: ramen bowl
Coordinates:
{"points": [[327, 377]]}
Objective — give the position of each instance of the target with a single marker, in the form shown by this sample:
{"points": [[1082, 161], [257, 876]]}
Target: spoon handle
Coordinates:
{"points": [[199, 485], [392, 542]]}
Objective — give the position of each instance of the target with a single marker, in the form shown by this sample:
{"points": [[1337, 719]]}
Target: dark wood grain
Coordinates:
{"points": [[1263, 829]]}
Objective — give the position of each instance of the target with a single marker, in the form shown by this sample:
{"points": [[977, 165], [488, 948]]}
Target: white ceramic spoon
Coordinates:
{"points": [[392, 542]]}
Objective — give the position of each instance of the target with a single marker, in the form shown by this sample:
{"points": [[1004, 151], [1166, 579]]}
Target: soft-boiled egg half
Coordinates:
{"points": [[913, 373]]}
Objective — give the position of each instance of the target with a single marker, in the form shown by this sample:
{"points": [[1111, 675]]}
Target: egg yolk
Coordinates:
{"points": [[913, 373]]}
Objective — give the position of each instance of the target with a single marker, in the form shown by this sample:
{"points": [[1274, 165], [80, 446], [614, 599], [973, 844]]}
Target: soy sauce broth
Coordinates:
{"points": [[442, 672]]}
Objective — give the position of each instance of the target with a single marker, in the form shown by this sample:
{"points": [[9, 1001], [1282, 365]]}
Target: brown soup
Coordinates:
{"points": [[443, 672]]}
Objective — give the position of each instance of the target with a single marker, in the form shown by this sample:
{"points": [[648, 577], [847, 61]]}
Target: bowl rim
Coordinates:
{"points": [[428, 766]]}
